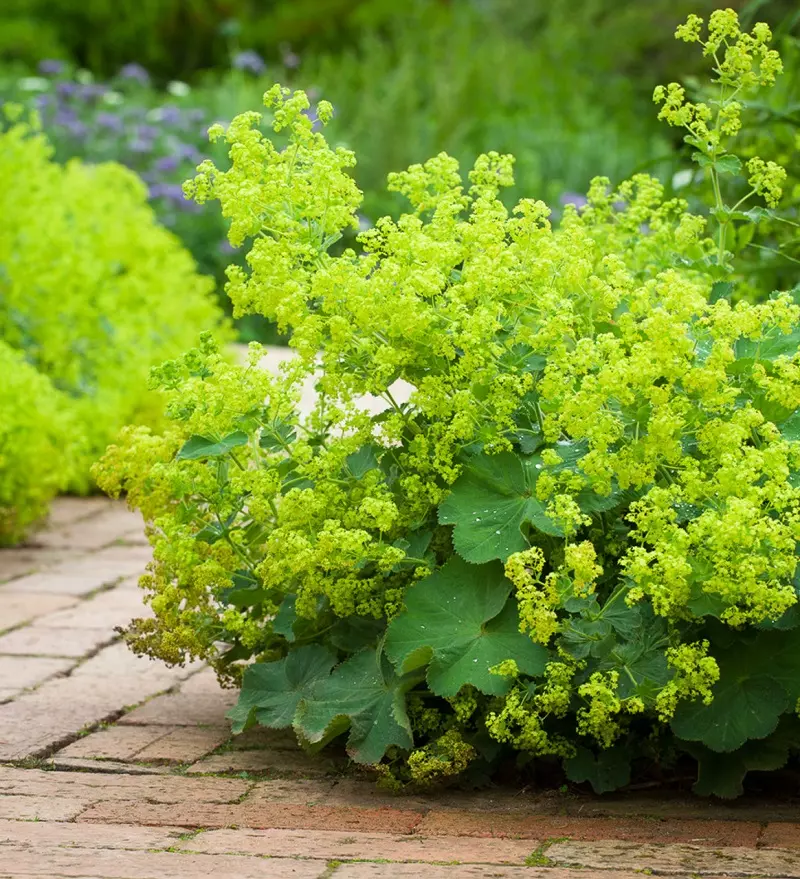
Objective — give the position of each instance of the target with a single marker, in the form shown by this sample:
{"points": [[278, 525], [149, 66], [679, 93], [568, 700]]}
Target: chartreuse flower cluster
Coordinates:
{"points": [[92, 291], [39, 444], [737, 130], [573, 537]]}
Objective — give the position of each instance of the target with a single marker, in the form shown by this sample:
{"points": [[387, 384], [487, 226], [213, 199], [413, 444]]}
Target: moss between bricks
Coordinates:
{"points": [[538, 857]]}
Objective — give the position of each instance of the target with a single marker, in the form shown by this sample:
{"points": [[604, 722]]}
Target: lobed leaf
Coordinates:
{"points": [[461, 621]]}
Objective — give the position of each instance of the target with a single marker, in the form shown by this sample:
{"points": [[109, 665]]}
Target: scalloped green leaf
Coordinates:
{"points": [[276, 436], [202, 447], [774, 343], [272, 691], [489, 504], [722, 775], [365, 694], [791, 427], [461, 619], [606, 771], [745, 706]]}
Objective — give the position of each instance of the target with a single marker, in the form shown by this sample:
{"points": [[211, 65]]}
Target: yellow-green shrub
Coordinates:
{"points": [[92, 289], [38, 444]]}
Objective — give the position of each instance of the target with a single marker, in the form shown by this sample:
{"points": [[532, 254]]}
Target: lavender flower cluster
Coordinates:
{"points": [[116, 121]]}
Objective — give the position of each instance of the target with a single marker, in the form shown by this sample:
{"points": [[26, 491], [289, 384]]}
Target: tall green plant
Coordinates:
{"points": [[576, 538]]}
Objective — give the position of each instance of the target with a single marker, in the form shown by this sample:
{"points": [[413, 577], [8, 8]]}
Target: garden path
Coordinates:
{"points": [[116, 767]]}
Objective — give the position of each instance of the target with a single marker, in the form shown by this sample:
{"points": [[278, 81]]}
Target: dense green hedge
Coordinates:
{"points": [[39, 444], [92, 293]]}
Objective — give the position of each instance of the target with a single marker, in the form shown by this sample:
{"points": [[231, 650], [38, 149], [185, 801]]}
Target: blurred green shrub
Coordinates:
{"points": [[179, 37], [92, 290], [37, 444], [171, 37], [463, 84]]}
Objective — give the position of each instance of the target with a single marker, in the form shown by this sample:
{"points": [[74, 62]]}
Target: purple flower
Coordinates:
{"points": [[43, 102], [147, 132], [190, 207], [65, 117], [195, 114], [311, 114], [67, 89], [110, 121], [170, 115], [249, 61], [291, 60], [135, 73], [186, 151], [91, 90], [73, 126], [140, 146], [170, 191], [51, 67], [574, 198], [167, 164]]}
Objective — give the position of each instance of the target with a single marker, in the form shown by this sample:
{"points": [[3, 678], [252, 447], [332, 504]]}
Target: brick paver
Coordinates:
{"points": [[120, 768]]}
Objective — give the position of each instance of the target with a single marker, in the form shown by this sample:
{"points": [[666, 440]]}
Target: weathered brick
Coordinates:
{"points": [[697, 860], [45, 641], [641, 830], [182, 745], [41, 834], [116, 607], [366, 794], [106, 766], [57, 583], [118, 661], [333, 845], [308, 791], [259, 738], [288, 763], [59, 863], [115, 743], [66, 510], [60, 708], [94, 787], [200, 701], [93, 532], [20, 560], [285, 816], [17, 608], [433, 871], [27, 671], [29, 808], [781, 834]]}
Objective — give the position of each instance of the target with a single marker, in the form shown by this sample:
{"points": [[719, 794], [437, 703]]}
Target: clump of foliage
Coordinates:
{"points": [[92, 290], [38, 444], [574, 538], [159, 134]]}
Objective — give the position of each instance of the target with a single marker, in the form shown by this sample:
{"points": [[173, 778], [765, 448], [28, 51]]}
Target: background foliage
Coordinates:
{"points": [[92, 293]]}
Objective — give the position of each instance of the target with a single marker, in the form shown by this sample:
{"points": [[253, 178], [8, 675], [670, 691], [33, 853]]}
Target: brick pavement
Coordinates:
{"points": [[116, 767]]}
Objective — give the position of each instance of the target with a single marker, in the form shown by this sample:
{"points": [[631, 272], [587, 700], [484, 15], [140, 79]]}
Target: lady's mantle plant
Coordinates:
{"points": [[93, 291], [576, 539]]}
